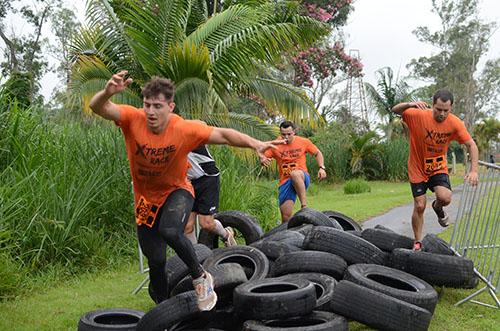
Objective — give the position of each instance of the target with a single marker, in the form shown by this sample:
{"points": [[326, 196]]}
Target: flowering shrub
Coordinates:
{"points": [[320, 63], [325, 10]]}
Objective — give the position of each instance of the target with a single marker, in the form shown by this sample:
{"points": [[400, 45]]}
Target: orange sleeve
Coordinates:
{"points": [[196, 133], [311, 148], [127, 113], [461, 135], [268, 152], [409, 113]]}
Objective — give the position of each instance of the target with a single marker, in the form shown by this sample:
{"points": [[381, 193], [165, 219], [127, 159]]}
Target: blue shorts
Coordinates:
{"points": [[287, 192]]}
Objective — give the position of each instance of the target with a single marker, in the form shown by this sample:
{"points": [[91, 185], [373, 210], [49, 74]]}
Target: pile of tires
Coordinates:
{"points": [[316, 272]]}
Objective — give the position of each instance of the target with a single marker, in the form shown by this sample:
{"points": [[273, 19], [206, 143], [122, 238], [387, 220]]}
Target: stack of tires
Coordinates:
{"points": [[315, 272]]}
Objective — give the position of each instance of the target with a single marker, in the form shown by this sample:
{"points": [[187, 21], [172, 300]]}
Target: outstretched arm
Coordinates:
{"points": [[401, 107], [472, 176], [100, 103], [223, 136], [321, 164]]}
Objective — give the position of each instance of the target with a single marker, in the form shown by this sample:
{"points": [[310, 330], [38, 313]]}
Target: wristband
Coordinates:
{"points": [[323, 168]]}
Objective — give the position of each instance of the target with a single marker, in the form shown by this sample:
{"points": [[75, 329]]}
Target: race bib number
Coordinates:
{"points": [[433, 164], [145, 212], [287, 168]]}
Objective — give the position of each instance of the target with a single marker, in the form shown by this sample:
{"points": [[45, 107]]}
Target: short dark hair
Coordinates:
{"points": [[444, 95], [287, 124], [158, 85]]}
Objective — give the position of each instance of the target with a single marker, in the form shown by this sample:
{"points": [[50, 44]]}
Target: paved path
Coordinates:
{"points": [[399, 218]]}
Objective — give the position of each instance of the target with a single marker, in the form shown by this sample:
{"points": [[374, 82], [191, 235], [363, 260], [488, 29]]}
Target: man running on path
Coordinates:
{"points": [[157, 143], [294, 178], [204, 175], [431, 131]]}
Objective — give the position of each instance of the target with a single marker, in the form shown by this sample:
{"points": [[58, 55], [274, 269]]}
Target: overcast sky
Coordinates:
{"points": [[382, 32]]}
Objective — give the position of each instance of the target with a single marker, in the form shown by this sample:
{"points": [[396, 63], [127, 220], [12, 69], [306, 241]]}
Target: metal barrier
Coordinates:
{"points": [[476, 234]]}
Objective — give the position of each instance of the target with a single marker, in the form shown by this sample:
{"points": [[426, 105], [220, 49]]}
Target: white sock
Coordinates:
{"points": [[219, 229], [192, 237]]}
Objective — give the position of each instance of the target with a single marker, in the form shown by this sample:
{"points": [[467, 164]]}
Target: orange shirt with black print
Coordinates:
{"points": [[292, 156], [429, 142], [158, 163]]}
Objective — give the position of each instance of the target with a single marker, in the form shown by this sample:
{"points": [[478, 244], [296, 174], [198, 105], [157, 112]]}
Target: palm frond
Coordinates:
{"points": [[248, 124], [154, 27], [191, 98], [90, 75], [290, 101], [188, 60], [112, 40]]}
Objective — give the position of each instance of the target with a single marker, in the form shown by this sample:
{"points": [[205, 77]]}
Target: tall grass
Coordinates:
{"points": [[395, 159], [65, 195]]}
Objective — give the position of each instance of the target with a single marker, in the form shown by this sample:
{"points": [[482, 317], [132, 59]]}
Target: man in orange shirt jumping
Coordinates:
{"points": [[431, 131], [157, 143], [294, 178]]}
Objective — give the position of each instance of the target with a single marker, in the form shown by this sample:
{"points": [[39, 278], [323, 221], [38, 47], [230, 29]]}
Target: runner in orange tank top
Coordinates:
{"points": [[294, 178], [431, 131], [157, 143]]}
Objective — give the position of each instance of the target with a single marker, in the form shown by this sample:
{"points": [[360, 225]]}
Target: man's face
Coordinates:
{"points": [[441, 110], [288, 134], [157, 110]]}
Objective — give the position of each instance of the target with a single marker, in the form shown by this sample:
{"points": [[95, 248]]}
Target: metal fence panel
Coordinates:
{"points": [[476, 234]]}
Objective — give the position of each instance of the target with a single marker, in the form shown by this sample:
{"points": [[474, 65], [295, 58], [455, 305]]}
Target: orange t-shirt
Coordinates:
{"points": [[158, 163], [429, 142], [292, 156]]}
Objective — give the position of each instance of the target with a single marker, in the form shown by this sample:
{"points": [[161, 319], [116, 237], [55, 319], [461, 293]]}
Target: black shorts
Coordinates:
{"points": [[437, 180], [206, 195]]}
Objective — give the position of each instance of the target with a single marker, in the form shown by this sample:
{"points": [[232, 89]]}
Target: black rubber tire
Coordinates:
{"points": [[381, 227], [110, 319], [436, 269], [312, 216], [213, 320], [386, 240], [274, 249], [433, 244], [323, 284], [276, 229], [351, 248], [315, 321], [294, 238], [303, 229], [247, 225], [254, 262], [169, 312], [347, 223], [310, 261], [378, 310], [395, 283], [270, 298], [226, 277]]}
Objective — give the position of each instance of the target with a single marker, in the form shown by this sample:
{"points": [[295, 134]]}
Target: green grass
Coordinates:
{"points": [[58, 306]]}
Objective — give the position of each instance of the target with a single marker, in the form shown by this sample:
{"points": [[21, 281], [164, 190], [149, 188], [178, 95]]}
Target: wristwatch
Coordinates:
{"points": [[323, 168]]}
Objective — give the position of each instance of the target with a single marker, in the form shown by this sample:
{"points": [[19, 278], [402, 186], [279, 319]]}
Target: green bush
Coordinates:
{"points": [[356, 186]]}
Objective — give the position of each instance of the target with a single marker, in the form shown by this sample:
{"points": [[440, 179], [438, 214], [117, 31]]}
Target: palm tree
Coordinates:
{"points": [[211, 59], [362, 149], [388, 93]]}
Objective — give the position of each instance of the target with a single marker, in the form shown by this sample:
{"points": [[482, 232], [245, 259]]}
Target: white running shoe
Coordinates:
{"points": [[230, 241], [205, 294]]}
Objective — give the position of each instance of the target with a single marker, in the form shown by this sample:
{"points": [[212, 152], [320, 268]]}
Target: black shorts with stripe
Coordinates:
{"points": [[206, 195]]}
